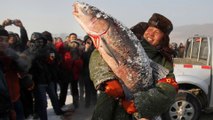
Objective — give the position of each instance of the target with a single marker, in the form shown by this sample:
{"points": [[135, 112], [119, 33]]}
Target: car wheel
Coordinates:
{"points": [[185, 107]]}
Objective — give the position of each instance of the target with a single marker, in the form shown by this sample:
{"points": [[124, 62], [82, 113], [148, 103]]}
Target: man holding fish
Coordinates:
{"points": [[133, 70]]}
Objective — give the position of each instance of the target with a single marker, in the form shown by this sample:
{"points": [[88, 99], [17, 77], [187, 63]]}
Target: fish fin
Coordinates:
{"points": [[127, 92], [158, 70]]}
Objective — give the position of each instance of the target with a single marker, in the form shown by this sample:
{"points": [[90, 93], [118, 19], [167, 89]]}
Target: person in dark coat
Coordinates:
{"points": [[5, 101], [41, 60], [90, 91], [181, 49], [15, 68], [18, 43]]}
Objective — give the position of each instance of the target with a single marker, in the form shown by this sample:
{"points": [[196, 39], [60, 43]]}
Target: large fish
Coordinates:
{"points": [[119, 47]]}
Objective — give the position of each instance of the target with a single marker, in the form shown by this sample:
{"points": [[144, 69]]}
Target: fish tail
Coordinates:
{"points": [[158, 71]]}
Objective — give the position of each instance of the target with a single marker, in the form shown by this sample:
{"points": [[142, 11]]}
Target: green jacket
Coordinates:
{"points": [[150, 103]]}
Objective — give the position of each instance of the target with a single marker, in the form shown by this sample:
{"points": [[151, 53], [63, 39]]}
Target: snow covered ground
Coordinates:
{"points": [[85, 113], [81, 113]]}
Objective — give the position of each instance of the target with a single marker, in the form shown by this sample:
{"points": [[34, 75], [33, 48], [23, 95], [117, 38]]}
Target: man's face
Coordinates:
{"points": [[153, 35], [36, 45], [88, 44], [72, 37], [11, 40]]}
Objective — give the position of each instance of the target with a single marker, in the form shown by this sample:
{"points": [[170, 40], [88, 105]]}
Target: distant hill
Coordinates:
{"points": [[181, 33]]}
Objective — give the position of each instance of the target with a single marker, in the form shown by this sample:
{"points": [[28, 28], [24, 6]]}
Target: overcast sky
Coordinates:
{"points": [[56, 15]]}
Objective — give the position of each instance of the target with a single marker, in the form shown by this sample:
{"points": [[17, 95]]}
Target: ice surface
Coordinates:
{"points": [[81, 113]]}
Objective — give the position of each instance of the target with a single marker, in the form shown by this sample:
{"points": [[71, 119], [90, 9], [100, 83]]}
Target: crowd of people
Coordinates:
{"points": [[33, 68], [178, 50]]}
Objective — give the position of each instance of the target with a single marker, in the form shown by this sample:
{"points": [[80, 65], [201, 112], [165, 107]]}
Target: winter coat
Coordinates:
{"points": [[149, 103], [15, 68], [11, 70], [53, 63], [71, 60], [86, 59], [5, 102], [40, 67], [21, 44]]}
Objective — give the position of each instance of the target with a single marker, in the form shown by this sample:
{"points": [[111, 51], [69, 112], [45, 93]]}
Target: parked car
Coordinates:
{"points": [[194, 75]]}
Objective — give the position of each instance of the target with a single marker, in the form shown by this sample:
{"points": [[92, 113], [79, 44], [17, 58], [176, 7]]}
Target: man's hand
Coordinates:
{"points": [[129, 106], [7, 22], [113, 88], [170, 81], [18, 23]]}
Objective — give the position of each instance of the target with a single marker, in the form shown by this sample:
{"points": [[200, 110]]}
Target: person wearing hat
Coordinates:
{"points": [[42, 75], [53, 57], [72, 66], [147, 104], [90, 91]]}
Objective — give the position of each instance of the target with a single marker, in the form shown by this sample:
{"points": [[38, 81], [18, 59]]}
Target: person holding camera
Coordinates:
{"points": [[14, 67], [19, 43]]}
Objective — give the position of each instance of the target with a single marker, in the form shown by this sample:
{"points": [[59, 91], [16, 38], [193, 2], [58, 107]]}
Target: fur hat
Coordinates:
{"points": [[161, 22], [86, 37], [139, 29]]}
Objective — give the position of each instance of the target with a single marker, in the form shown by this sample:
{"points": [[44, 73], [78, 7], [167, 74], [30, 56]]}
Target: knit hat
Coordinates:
{"points": [[86, 37], [75, 41], [38, 36], [3, 32], [48, 35], [161, 22]]}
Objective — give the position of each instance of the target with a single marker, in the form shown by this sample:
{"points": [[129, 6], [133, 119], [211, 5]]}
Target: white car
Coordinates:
{"points": [[194, 75]]}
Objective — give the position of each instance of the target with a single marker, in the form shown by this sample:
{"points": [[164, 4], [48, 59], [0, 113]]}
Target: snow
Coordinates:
{"points": [[81, 113]]}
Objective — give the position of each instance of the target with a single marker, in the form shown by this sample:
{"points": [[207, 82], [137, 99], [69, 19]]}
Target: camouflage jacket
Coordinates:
{"points": [[149, 103]]}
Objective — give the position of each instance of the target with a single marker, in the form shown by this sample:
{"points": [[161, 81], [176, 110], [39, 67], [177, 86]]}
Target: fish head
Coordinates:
{"points": [[91, 19]]}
